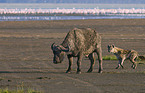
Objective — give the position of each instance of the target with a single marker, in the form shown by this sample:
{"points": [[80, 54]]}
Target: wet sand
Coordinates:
{"points": [[26, 57]]}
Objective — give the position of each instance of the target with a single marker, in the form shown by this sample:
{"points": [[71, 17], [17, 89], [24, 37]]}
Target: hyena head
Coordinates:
{"points": [[59, 52], [111, 48]]}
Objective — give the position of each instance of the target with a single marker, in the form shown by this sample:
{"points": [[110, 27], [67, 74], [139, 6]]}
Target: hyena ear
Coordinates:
{"points": [[113, 45], [108, 46]]}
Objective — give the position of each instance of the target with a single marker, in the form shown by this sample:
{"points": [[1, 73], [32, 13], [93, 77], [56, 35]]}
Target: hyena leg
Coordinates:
{"points": [[134, 65], [120, 63], [70, 58], [92, 59]]}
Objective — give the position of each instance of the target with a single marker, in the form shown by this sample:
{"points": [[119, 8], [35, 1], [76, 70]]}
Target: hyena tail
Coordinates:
{"points": [[141, 57]]}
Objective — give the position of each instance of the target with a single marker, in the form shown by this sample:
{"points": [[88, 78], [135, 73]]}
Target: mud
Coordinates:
{"points": [[26, 57]]}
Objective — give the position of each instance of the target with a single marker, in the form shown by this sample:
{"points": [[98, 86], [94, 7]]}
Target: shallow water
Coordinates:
{"points": [[71, 6], [27, 18]]}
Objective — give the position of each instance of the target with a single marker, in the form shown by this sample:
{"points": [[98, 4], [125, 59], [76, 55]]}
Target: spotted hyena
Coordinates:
{"points": [[122, 54]]}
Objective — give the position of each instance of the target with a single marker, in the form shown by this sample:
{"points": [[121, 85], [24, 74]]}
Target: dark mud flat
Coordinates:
{"points": [[26, 57]]}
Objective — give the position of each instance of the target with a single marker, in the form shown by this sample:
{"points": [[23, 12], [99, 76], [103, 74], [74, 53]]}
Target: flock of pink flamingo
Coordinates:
{"points": [[94, 11]]}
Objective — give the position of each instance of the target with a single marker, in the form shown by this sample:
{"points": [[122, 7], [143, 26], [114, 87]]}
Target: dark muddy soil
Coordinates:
{"points": [[26, 57]]}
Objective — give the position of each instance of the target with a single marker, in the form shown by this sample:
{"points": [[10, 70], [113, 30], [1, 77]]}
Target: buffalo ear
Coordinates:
{"points": [[52, 46]]}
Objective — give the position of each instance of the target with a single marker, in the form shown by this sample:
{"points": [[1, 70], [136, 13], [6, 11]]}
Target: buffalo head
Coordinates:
{"points": [[59, 52]]}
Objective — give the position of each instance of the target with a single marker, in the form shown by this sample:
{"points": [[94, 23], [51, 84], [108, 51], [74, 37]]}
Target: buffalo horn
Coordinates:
{"points": [[65, 49], [52, 46]]}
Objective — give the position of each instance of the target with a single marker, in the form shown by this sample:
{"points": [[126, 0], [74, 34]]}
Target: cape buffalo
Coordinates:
{"points": [[79, 42]]}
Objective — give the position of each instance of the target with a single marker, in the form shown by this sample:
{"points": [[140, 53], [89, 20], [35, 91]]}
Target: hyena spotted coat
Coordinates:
{"points": [[122, 54], [79, 42]]}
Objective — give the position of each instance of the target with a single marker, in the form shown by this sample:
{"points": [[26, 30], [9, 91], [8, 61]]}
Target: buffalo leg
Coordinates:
{"points": [[70, 58], [92, 59], [99, 53], [79, 63]]}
